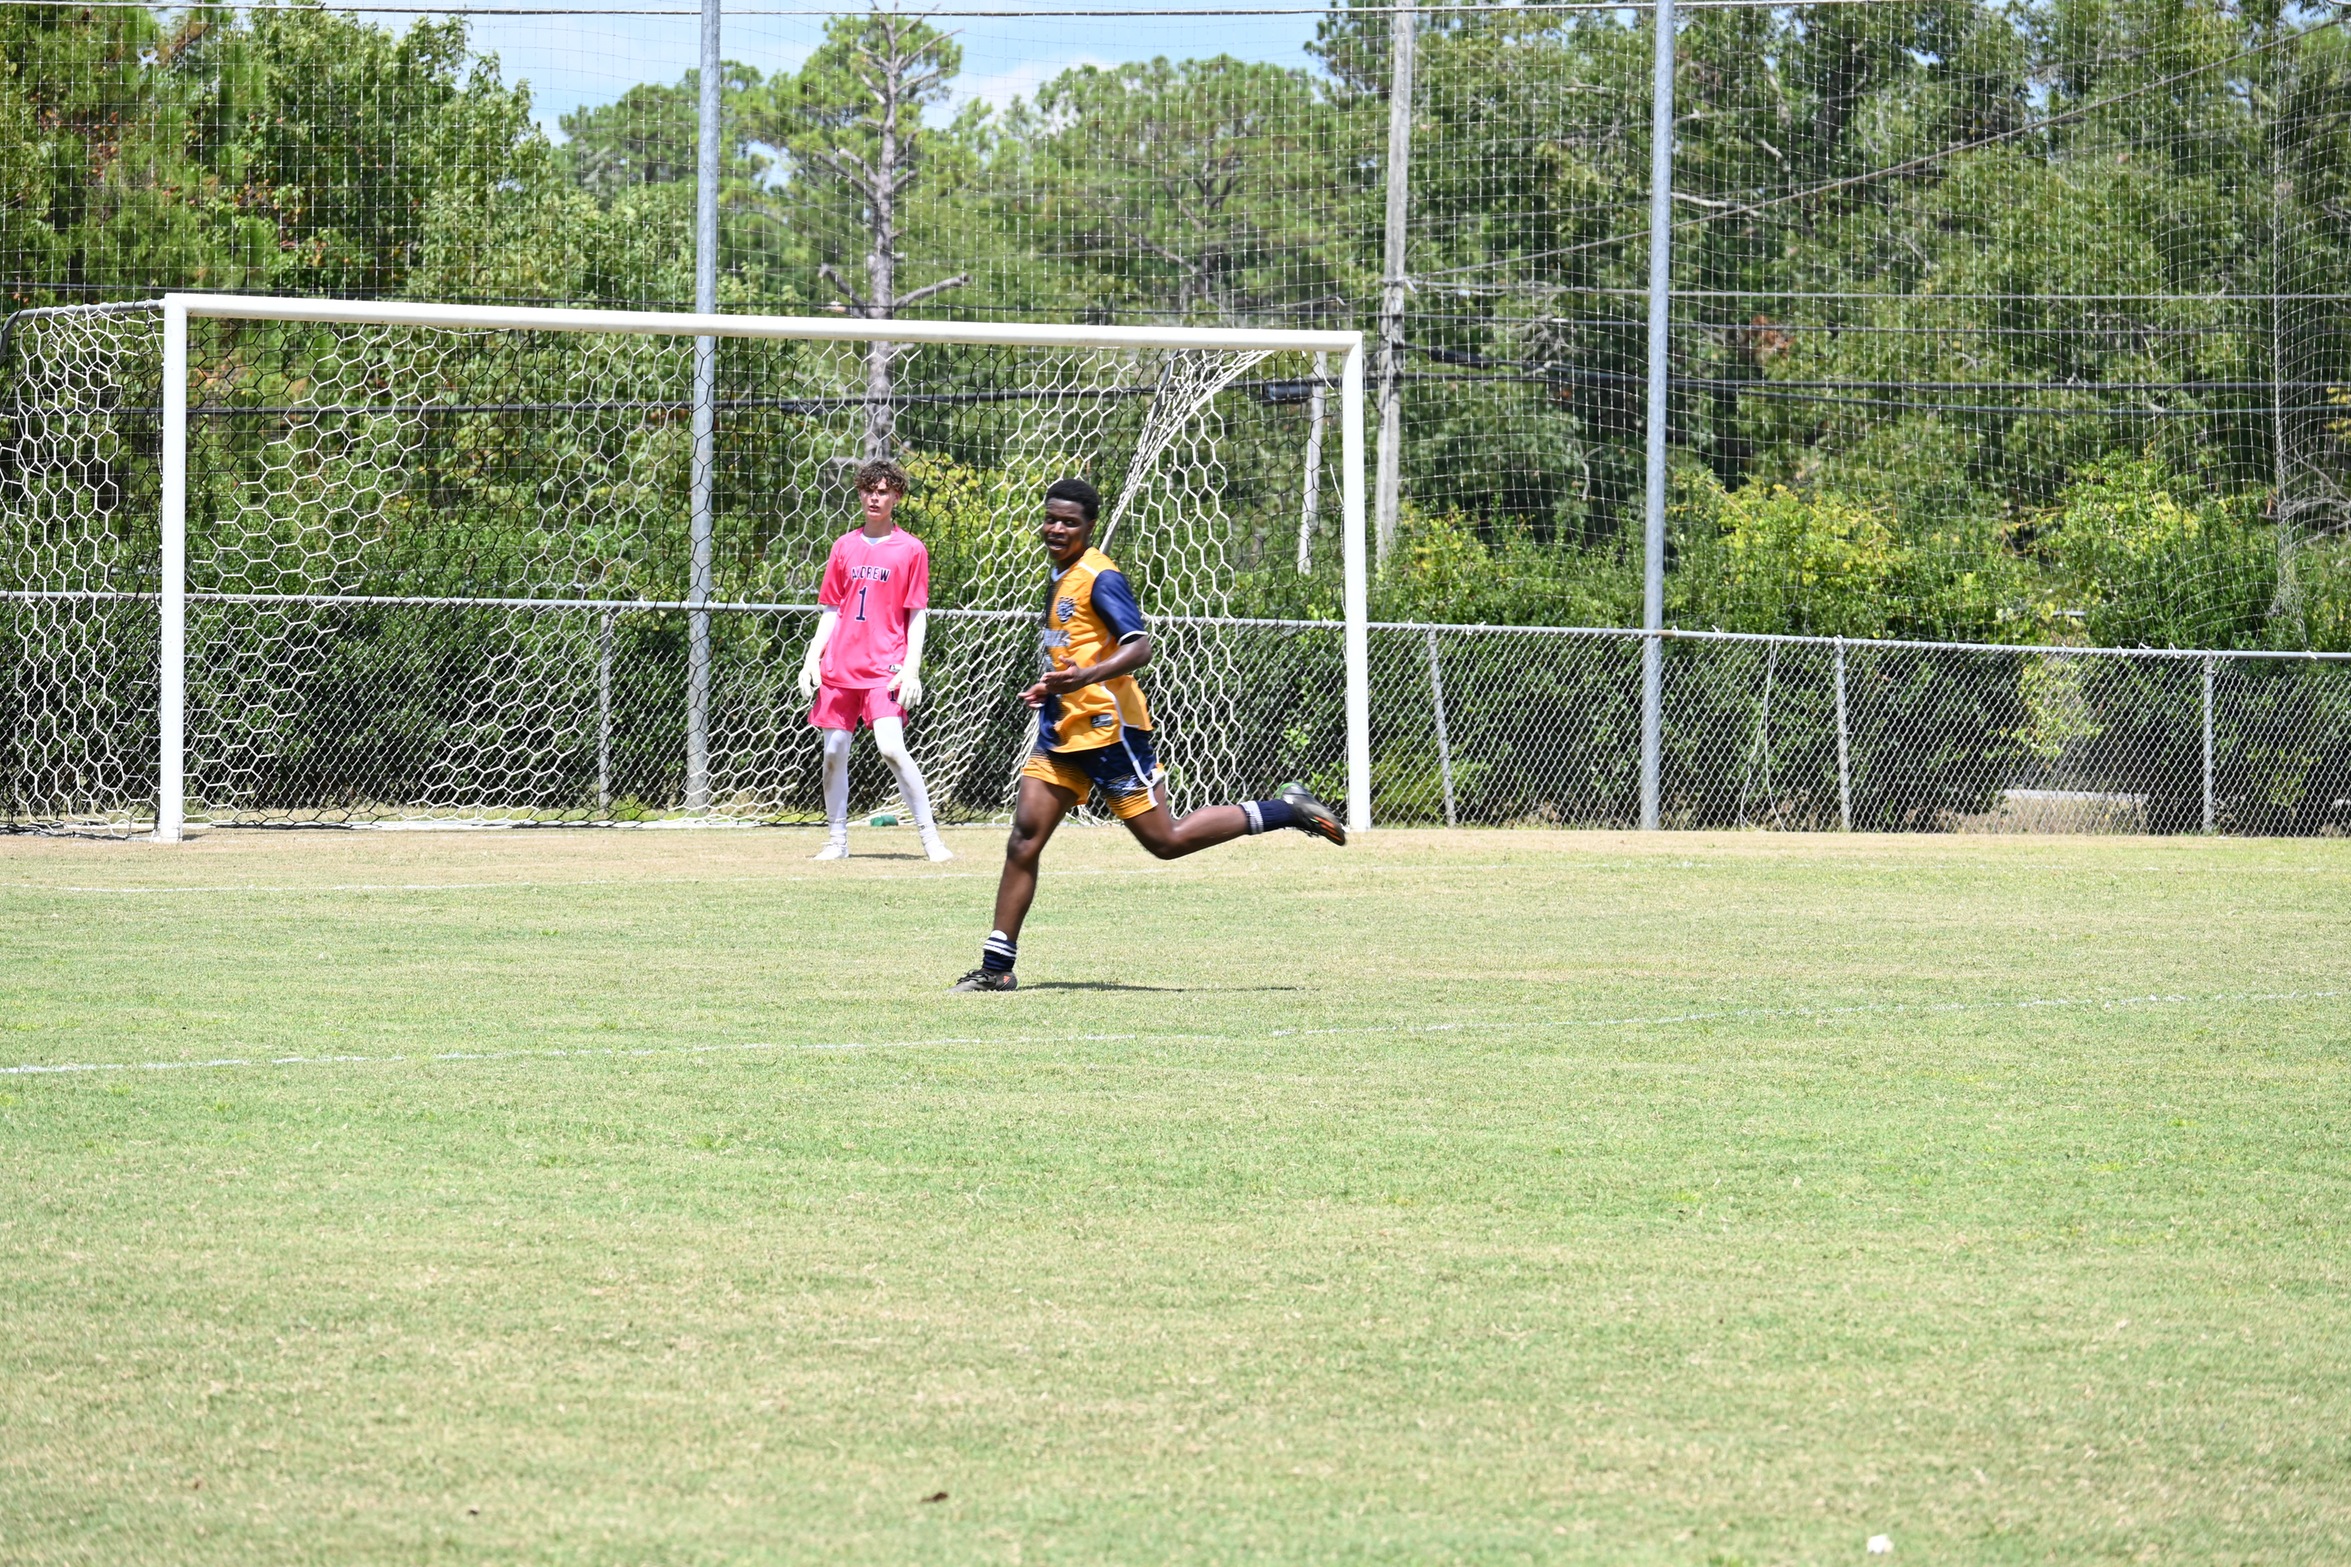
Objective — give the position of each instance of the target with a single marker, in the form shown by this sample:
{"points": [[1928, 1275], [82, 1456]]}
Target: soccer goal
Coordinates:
{"points": [[282, 561]]}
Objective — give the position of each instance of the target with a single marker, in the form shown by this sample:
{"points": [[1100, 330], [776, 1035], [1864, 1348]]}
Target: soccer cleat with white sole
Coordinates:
{"points": [[936, 851], [834, 849]]}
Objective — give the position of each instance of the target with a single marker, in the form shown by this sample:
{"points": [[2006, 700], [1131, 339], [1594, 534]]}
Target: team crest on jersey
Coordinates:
{"points": [[1065, 609], [1103, 721]]}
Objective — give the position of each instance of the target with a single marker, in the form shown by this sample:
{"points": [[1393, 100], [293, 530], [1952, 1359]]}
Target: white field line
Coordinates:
{"points": [[851, 879], [1667, 1020]]}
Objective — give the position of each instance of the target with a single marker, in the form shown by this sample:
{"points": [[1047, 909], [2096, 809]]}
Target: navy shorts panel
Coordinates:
{"points": [[1124, 768]]}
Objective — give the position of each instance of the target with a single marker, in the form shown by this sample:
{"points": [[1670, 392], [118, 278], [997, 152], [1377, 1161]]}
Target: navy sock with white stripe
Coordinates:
{"points": [[999, 952], [1266, 815]]}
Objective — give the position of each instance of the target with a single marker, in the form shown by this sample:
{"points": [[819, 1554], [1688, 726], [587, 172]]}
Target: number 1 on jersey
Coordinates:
{"points": [[861, 602]]}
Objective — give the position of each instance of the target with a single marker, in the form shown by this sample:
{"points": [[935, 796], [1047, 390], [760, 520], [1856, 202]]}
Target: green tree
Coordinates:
{"points": [[650, 135], [343, 134], [1197, 190], [290, 150], [850, 123], [108, 188]]}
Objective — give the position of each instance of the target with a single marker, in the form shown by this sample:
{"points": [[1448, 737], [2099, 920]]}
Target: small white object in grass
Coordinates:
{"points": [[1881, 1545]]}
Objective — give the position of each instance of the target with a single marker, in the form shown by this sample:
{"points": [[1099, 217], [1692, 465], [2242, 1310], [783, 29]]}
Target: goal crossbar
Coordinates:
{"points": [[831, 329], [180, 309]]}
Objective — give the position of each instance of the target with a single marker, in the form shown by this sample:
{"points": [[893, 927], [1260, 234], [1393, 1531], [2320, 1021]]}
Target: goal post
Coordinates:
{"points": [[172, 585], [332, 469]]}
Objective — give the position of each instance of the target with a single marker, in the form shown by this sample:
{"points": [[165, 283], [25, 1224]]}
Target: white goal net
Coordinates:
{"points": [[455, 564]]}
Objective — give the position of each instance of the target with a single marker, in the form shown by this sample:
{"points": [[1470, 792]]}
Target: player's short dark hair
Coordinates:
{"points": [[881, 473], [1088, 498]]}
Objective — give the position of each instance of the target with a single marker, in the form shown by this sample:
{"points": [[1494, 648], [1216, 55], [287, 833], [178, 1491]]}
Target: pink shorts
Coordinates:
{"points": [[846, 707]]}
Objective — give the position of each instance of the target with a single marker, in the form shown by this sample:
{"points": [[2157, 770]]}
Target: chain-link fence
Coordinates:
{"points": [[574, 711], [1499, 726]]}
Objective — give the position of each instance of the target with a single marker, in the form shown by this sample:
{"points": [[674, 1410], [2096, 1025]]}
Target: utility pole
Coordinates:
{"points": [[1660, 386], [698, 524], [1401, 30]]}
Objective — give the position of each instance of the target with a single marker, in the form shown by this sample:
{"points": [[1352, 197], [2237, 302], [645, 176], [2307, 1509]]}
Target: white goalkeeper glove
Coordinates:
{"points": [[812, 665], [906, 686]]}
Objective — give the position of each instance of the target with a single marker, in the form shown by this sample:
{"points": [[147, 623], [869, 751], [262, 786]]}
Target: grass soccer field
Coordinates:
{"points": [[640, 1197]]}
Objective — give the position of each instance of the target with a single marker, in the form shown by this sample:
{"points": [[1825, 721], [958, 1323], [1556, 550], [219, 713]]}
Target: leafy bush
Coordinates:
{"points": [[1769, 558], [1445, 568], [952, 507], [2148, 562], [1449, 567], [2322, 597]]}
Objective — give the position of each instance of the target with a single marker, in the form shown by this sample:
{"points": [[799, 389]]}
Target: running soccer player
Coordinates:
{"points": [[866, 657], [1094, 733]]}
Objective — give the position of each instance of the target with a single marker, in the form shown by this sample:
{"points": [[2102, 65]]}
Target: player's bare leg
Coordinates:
{"points": [[1037, 809], [1170, 837], [836, 795], [1173, 837]]}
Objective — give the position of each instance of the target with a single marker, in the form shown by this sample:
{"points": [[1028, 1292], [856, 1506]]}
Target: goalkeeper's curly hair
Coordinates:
{"points": [[879, 474]]}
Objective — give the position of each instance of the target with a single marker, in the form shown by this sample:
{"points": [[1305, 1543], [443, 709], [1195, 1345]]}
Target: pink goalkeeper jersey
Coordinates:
{"points": [[875, 584]]}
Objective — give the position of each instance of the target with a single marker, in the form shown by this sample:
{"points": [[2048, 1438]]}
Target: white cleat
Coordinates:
{"points": [[937, 850], [834, 849]]}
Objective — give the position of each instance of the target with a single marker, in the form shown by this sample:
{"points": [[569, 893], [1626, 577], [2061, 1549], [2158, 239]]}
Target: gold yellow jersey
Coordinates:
{"points": [[1091, 613]]}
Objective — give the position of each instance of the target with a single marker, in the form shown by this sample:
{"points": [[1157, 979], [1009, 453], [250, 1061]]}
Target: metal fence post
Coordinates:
{"points": [[698, 525], [1844, 749], [1389, 499], [604, 715], [1444, 740], [2211, 817], [1660, 353]]}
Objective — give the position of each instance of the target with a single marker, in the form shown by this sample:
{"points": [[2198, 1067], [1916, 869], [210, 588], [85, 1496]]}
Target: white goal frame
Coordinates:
{"points": [[179, 309]]}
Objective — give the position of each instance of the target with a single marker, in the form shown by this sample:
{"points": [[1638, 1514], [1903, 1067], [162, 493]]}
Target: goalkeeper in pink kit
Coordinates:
{"points": [[866, 657]]}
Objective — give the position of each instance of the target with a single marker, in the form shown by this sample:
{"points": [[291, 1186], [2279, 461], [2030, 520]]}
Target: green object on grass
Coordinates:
{"points": [[881, 819]]}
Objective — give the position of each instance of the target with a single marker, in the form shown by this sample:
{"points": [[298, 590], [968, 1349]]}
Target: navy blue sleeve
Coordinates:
{"points": [[1115, 602]]}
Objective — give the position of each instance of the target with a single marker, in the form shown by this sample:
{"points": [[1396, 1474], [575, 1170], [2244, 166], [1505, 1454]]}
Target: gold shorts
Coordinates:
{"points": [[1123, 771]]}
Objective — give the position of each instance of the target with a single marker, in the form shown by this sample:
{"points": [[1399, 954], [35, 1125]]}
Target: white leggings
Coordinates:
{"points": [[889, 736]]}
